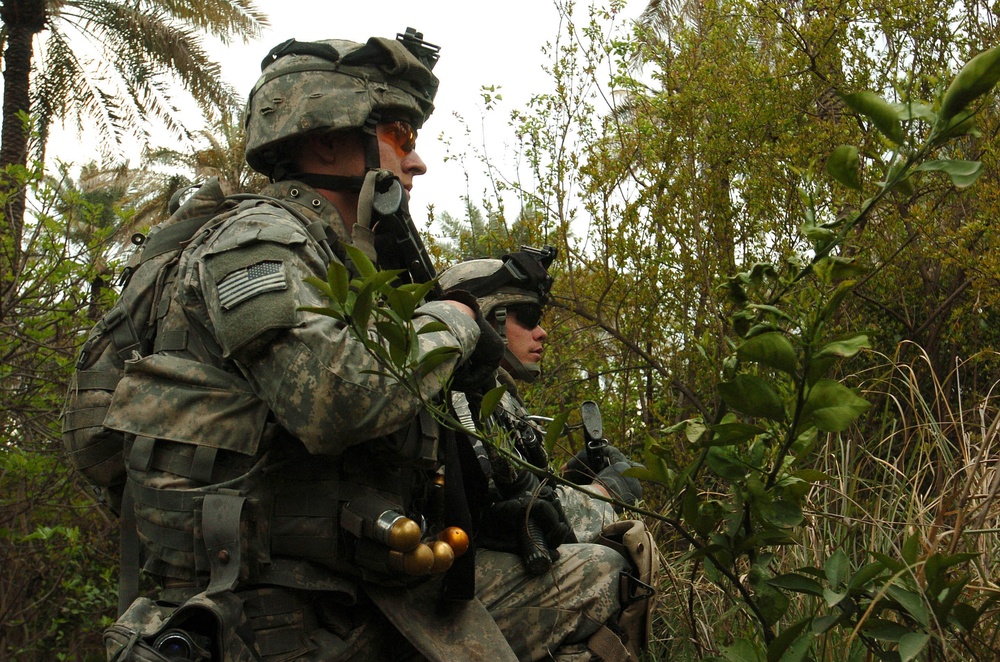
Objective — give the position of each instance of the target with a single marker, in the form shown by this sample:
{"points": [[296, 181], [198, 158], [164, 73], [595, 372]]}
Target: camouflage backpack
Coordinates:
{"points": [[127, 331]]}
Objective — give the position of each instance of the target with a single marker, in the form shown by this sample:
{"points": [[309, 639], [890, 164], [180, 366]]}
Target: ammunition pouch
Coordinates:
{"points": [[628, 637]]}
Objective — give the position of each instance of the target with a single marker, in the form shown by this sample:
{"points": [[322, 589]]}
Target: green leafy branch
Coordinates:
{"points": [[776, 398]]}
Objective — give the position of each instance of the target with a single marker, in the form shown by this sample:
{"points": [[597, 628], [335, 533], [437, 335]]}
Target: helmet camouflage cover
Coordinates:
{"points": [[332, 85], [520, 277]]}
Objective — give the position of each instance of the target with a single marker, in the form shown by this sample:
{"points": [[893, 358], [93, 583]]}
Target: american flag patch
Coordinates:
{"points": [[237, 287]]}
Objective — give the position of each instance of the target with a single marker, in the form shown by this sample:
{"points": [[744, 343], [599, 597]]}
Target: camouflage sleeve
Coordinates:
{"points": [[308, 368], [584, 513]]}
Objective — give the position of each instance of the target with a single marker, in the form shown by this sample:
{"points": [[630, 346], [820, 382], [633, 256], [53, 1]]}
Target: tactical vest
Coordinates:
{"points": [[224, 497]]}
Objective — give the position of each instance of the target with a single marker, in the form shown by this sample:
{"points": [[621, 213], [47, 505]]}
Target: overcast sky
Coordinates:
{"points": [[481, 44]]}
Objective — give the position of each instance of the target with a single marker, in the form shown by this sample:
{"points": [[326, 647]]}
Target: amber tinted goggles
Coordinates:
{"points": [[400, 134]]}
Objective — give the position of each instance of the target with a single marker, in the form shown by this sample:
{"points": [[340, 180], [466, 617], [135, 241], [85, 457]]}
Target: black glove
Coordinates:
{"points": [[530, 524], [613, 463], [623, 488], [477, 374], [580, 471]]}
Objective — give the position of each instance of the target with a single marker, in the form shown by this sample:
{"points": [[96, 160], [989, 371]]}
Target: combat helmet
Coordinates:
{"points": [[518, 277], [319, 86]]}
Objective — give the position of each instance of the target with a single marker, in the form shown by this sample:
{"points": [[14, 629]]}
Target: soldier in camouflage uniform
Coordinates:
{"points": [[268, 462], [512, 293]]}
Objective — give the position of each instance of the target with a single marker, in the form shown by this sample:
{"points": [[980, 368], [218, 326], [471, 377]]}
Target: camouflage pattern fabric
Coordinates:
{"points": [[551, 616]]}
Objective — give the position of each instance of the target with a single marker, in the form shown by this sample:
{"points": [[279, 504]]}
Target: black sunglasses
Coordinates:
{"points": [[528, 315]]}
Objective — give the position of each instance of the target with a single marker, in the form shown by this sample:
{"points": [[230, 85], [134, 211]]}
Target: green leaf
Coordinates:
{"points": [[321, 285], [878, 110], [832, 406], [403, 303], [962, 173], [845, 347], [490, 401], [833, 598], [555, 430], [655, 470], [912, 602], [742, 650], [797, 583], [785, 513], [323, 310], [694, 430], [771, 349], [362, 310], [831, 269], [731, 434], [812, 475], [752, 396], [911, 645], [394, 335], [823, 624], [722, 463], [866, 574], [339, 280], [884, 630], [433, 327], [937, 563], [434, 358], [911, 110], [837, 568], [843, 166], [964, 615], [911, 548], [785, 647], [361, 262], [420, 290], [975, 79]]}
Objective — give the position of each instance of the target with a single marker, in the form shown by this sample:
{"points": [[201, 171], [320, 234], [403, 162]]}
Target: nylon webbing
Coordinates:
{"points": [[220, 523], [608, 646], [171, 237], [96, 380], [128, 552]]}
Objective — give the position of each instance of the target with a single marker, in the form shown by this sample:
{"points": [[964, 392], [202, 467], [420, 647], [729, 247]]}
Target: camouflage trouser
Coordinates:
{"points": [[551, 616]]}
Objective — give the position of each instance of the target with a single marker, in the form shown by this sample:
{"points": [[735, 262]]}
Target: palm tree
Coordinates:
{"points": [[111, 62]]}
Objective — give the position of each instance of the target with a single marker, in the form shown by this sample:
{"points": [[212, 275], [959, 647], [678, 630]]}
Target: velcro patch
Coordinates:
{"points": [[248, 282]]}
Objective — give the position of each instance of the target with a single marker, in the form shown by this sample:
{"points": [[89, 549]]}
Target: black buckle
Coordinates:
{"points": [[631, 589]]}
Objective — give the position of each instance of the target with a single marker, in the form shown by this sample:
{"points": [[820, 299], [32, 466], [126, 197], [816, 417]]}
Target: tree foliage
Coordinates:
{"points": [[782, 211]]}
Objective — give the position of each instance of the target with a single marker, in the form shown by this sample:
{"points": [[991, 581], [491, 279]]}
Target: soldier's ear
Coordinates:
{"points": [[330, 148]]}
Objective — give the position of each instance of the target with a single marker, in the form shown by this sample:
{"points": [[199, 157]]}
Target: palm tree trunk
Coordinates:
{"points": [[23, 20]]}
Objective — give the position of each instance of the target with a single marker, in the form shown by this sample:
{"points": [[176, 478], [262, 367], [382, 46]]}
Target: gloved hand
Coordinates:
{"points": [[625, 489], [531, 524], [579, 470], [476, 374]]}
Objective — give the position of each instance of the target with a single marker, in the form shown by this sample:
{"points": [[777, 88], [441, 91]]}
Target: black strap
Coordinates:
{"points": [[465, 492]]}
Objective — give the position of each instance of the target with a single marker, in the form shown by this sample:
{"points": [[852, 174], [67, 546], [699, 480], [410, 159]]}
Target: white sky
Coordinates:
{"points": [[481, 44]]}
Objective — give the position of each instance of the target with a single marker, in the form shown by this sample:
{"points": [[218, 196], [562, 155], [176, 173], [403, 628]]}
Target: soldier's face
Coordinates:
{"points": [[397, 151], [524, 341]]}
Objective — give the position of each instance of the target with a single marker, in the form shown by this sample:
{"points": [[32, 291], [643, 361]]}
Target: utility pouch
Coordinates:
{"points": [[637, 589], [200, 630]]}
